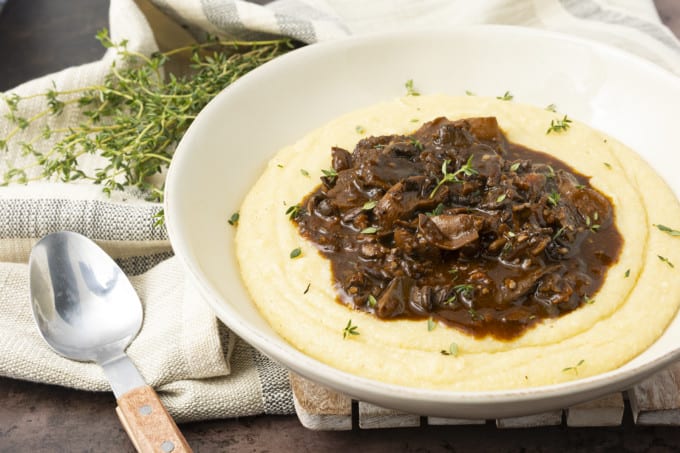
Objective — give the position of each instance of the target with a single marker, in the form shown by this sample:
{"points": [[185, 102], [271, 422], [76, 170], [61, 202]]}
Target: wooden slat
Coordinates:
{"points": [[656, 400], [551, 418], [437, 421], [605, 411], [320, 408], [372, 417]]}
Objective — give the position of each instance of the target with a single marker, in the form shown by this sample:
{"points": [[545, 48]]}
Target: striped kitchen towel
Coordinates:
{"points": [[632, 25]]}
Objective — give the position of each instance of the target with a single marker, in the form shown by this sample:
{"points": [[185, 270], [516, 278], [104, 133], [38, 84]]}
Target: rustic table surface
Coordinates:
{"points": [[37, 37]]}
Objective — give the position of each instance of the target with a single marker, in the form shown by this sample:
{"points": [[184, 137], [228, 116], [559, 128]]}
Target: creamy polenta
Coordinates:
{"points": [[292, 285]]}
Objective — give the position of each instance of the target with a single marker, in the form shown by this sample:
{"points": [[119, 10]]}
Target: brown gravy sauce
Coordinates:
{"points": [[457, 224]]}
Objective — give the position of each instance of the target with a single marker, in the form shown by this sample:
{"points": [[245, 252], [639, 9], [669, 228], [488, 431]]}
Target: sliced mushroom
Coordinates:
{"points": [[450, 232], [393, 300]]}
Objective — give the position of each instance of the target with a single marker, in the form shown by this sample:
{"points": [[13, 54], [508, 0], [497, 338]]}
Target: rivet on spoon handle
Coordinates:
{"points": [[148, 423]]}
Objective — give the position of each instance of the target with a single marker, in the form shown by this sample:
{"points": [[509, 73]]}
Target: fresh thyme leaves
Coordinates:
{"points": [[350, 330], [558, 233], [372, 302], [514, 167], [551, 171], [474, 315], [136, 117], [627, 274], [453, 350], [330, 173], [588, 300], [666, 260], [370, 230], [304, 172], [668, 230], [469, 93], [551, 108], [360, 130], [159, 218], [558, 126], [466, 169], [437, 210], [416, 143], [553, 198], [464, 289], [431, 324], [594, 227], [410, 91], [507, 96], [608, 165], [575, 367], [295, 252], [293, 211], [501, 198], [369, 205], [233, 220]]}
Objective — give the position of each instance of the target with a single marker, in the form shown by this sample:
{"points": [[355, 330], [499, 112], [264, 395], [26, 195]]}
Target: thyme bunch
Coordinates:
{"points": [[136, 117]]}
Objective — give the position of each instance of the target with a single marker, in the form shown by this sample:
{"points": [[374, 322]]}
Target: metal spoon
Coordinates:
{"points": [[87, 310]]}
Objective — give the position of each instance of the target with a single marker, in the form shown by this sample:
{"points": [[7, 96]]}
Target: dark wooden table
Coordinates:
{"points": [[39, 37]]}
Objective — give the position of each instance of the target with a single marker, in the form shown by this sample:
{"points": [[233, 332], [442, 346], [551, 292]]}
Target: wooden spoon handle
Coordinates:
{"points": [[148, 423]]}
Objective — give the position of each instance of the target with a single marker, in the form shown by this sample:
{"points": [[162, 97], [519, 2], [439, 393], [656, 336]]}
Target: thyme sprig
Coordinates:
{"points": [[558, 126], [553, 198], [466, 169], [574, 368], [668, 230], [294, 211], [410, 90], [666, 260], [135, 118], [350, 329], [464, 288]]}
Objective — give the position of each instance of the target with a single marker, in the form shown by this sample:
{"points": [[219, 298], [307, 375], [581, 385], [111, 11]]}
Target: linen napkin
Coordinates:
{"points": [[200, 369]]}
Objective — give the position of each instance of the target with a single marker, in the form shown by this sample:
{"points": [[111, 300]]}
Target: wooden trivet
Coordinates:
{"points": [[654, 401]]}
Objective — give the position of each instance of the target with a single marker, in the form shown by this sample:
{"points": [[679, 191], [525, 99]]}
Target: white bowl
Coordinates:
{"points": [[226, 147]]}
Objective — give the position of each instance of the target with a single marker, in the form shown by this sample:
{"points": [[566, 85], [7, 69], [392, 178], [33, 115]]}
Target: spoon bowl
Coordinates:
{"points": [[85, 307]]}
